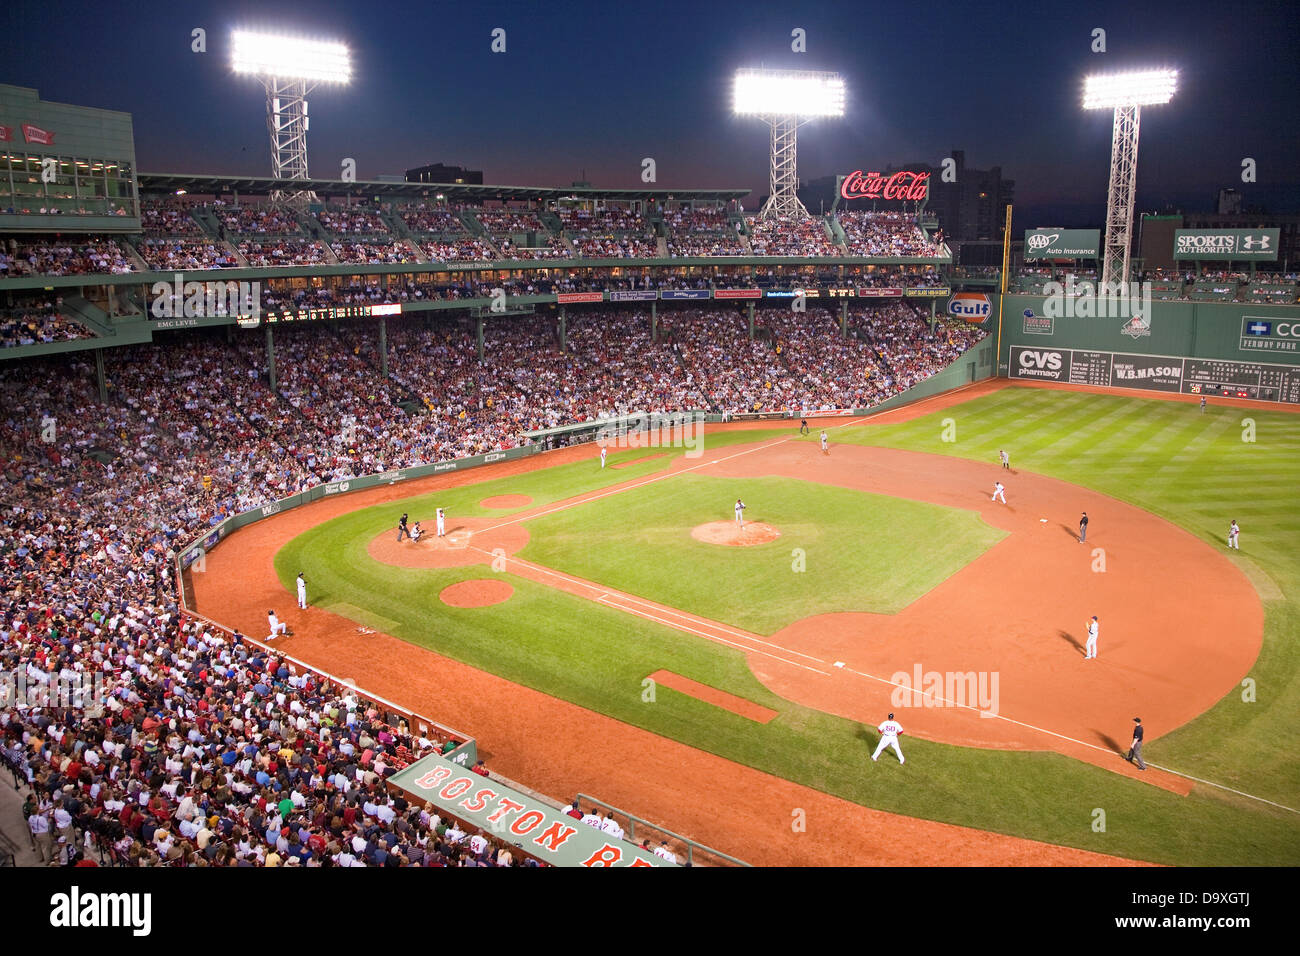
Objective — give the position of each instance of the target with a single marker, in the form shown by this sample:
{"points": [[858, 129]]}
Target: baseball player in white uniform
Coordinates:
{"points": [[278, 627], [1233, 531], [1090, 648], [998, 493], [889, 731], [1005, 458], [740, 512], [664, 853], [603, 453], [825, 450], [442, 524], [302, 592]]}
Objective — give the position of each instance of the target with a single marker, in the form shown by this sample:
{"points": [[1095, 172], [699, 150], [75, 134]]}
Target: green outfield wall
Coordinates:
{"points": [[1219, 349]]}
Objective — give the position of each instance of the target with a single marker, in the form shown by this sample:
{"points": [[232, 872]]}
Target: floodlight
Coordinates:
{"points": [[1146, 88], [290, 58], [289, 67], [788, 93], [1126, 94], [786, 100]]}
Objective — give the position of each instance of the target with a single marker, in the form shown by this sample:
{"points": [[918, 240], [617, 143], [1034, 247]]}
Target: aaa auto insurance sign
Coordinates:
{"points": [[1062, 243], [1258, 244]]}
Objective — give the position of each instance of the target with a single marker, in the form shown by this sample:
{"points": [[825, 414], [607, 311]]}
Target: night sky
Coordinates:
{"points": [[589, 89]]}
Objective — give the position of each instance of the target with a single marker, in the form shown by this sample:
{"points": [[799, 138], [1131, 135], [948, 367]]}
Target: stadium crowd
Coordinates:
{"points": [[211, 751]]}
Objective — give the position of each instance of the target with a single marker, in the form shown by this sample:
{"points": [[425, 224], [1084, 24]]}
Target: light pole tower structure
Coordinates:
{"points": [[786, 100], [1125, 94], [289, 69]]}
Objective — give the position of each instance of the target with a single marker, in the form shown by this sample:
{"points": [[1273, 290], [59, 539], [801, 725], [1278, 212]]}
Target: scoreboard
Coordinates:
{"points": [[1160, 373], [273, 316]]}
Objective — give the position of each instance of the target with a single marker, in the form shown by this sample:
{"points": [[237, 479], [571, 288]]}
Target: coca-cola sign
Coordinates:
{"points": [[900, 185]]}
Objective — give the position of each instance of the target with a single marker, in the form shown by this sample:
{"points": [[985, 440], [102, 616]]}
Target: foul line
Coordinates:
{"points": [[1053, 733], [603, 599]]}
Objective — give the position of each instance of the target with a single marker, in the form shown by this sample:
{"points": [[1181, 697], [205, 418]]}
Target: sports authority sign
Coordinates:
{"points": [[1257, 244], [901, 185], [515, 818], [1062, 243]]}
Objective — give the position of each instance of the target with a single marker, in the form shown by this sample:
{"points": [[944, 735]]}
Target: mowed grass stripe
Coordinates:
{"points": [[1225, 478]]}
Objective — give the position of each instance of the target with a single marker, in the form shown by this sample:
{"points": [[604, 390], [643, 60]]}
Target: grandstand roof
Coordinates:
{"points": [[153, 183]]}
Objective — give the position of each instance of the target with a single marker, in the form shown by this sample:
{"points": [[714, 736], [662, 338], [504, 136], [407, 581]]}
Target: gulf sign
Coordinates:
{"points": [[973, 307]]}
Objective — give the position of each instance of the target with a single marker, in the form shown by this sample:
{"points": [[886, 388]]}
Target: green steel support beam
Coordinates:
{"points": [[99, 376], [270, 358]]}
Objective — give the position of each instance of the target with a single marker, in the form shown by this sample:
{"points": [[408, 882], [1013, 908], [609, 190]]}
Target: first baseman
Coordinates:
{"points": [[302, 591], [603, 453], [889, 731], [998, 492], [442, 524], [1233, 531], [740, 512], [1090, 648], [825, 450]]}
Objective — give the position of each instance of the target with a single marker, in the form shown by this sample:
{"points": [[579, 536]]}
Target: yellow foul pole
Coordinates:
{"points": [[1006, 265]]}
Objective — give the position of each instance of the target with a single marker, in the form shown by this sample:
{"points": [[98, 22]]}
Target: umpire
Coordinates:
{"points": [[1135, 751], [401, 527]]}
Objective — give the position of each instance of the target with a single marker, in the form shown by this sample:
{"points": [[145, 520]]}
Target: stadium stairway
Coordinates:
{"points": [[551, 222], [90, 315], [207, 221], [137, 261], [661, 246]]}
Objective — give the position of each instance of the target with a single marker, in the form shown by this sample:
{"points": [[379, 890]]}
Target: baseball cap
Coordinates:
{"points": [[891, 716]]}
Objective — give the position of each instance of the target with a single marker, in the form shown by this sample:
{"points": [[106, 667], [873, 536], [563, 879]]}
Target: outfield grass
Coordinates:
{"points": [[596, 656], [1194, 469], [853, 548]]}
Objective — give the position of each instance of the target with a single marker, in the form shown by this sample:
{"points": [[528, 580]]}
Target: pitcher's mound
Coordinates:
{"points": [[728, 532], [479, 592]]}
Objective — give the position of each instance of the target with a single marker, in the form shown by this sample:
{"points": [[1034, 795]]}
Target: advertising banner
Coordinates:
{"points": [[634, 295], [566, 297], [518, 818], [1062, 243], [738, 293], [879, 293], [684, 293], [973, 307], [927, 293], [1258, 244], [1269, 335]]}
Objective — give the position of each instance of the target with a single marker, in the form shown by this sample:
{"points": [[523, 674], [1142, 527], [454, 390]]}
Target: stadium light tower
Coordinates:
{"points": [[786, 100], [1126, 94], [289, 68]]}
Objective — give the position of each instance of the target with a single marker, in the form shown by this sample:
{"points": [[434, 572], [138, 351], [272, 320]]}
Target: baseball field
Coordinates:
{"points": [[611, 631]]}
